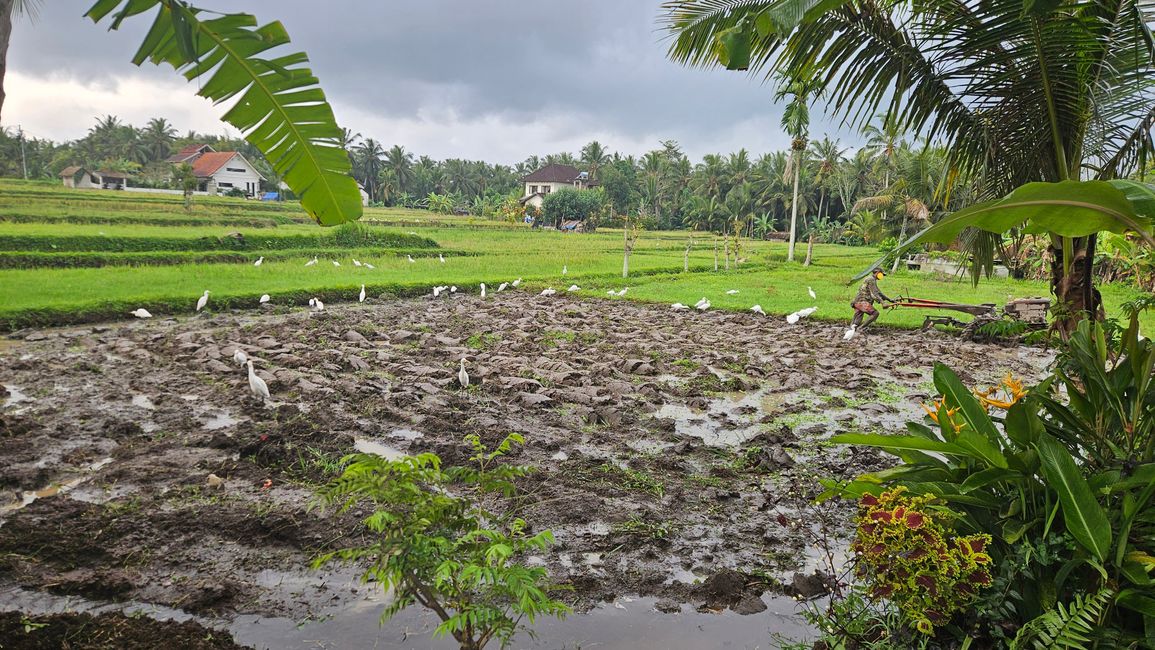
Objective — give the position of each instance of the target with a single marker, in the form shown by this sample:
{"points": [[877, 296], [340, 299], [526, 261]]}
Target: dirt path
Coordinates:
{"points": [[672, 445]]}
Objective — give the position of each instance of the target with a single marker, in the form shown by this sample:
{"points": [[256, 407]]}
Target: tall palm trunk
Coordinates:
{"points": [[1074, 287], [6, 7], [794, 206], [901, 238]]}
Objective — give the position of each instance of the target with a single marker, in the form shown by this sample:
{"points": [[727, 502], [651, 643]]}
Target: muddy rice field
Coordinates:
{"points": [[678, 457]]}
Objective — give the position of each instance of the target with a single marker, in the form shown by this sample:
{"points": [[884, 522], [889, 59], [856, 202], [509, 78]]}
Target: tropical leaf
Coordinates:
{"points": [[903, 442], [279, 107], [1064, 627], [1084, 517]]}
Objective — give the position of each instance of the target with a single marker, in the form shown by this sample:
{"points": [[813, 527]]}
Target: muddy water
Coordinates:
{"points": [[666, 449], [56, 488]]}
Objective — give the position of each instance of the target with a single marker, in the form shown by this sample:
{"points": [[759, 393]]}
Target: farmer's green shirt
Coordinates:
{"points": [[869, 291]]}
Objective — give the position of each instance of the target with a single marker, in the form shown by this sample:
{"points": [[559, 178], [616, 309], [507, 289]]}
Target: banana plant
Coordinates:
{"points": [[278, 105]]}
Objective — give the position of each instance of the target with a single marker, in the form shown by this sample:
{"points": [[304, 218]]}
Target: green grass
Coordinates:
{"points": [[172, 258]]}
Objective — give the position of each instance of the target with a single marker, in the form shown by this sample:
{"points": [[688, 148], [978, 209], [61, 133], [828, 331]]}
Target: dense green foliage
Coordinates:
{"points": [[1071, 474], [571, 205], [434, 540]]}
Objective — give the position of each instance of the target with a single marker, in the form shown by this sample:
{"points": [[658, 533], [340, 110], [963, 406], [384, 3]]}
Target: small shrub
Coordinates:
{"points": [[906, 553]]}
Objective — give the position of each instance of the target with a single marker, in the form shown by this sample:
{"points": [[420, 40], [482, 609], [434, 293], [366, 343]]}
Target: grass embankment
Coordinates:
{"points": [[166, 264]]}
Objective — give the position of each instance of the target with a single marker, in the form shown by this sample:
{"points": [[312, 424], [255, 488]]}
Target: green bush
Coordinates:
{"points": [[571, 205], [433, 544], [1071, 473]]}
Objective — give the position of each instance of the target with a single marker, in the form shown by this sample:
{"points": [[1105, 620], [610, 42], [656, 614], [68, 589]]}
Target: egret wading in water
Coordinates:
{"points": [[257, 385], [141, 313], [204, 300], [462, 376], [259, 261], [361, 296]]}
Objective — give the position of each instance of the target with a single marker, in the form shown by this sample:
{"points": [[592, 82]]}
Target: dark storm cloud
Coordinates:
{"points": [[597, 64]]}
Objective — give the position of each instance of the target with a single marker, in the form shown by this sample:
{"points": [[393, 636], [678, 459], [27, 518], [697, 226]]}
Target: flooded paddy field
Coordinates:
{"points": [[671, 448]]}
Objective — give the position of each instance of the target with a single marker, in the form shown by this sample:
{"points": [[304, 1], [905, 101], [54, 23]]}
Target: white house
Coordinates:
{"points": [[552, 178], [218, 172]]}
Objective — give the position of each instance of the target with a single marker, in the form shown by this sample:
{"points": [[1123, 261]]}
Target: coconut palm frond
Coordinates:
{"points": [[916, 210], [882, 202]]}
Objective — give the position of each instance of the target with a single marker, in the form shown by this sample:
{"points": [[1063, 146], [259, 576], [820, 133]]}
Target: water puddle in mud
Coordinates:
{"points": [[142, 401], [367, 446], [28, 497], [218, 420], [15, 396], [728, 421], [405, 434]]}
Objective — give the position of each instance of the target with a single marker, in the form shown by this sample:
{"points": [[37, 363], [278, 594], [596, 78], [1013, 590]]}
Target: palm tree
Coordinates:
{"points": [[594, 156], [157, 138], [400, 163], [827, 157], [796, 121], [1016, 92], [367, 166]]}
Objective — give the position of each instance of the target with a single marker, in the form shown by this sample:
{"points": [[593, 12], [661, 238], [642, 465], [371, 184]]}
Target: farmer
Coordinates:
{"points": [[868, 294]]}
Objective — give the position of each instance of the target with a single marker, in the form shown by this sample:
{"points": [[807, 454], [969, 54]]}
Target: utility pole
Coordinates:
{"points": [[23, 158]]}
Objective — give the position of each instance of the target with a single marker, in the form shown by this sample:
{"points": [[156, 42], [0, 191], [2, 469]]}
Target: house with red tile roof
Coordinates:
{"points": [[219, 172], [552, 178]]}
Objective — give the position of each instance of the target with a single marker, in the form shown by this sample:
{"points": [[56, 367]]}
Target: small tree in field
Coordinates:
{"points": [[186, 181], [630, 233], [571, 205], [433, 543]]}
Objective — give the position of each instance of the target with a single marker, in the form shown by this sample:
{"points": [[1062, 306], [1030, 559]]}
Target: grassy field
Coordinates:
{"points": [[73, 256]]}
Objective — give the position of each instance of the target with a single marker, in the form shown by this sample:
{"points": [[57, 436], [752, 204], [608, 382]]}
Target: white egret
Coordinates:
{"points": [[411, 260], [440, 257], [704, 306], [361, 296], [258, 385], [502, 286], [260, 261], [803, 313], [623, 292], [204, 300], [793, 318], [355, 262], [141, 313], [311, 262], [680, 306], [757, 309], [701, 302], [813, 296], [482, 289], [265, 298], [336, 263], [453, 289], [611, 292], [732, 292], [240, 357], [574, 287], [849, 333], [548, 292], [316, 304], [516, 282], [564, 269], [462, 376], [369, 266]]}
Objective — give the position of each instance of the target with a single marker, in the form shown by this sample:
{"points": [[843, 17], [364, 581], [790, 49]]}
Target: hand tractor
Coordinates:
{"points": [[1030, 311]]}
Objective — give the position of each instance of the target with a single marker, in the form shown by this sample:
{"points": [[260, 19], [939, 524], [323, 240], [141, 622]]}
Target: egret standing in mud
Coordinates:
{"points": [[141, 313], [361, 296], [482, 289], [516, 282], [265, 298], [501, 287], [240, 357], [757, 309], [204, 300], [257, 385], [462, 376]]}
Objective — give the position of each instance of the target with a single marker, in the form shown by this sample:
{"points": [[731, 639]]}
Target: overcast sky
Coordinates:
{"points": [[495, 80]]}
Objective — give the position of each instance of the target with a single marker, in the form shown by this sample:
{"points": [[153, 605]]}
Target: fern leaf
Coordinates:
{"points": [[1066, 627], [279, 107]]}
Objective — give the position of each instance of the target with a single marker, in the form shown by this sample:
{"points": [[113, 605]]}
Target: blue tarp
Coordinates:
{"points": [[270, 196]]}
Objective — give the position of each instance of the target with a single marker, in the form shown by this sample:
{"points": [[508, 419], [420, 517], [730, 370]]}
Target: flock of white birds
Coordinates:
{"points": [[260, 389]]}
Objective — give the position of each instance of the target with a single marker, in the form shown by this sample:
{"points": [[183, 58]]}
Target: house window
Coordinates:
{"points": [[533, 189], [224, 185], [235, 169], [545, 189]]}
